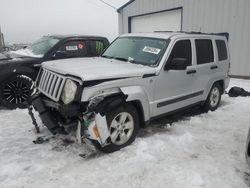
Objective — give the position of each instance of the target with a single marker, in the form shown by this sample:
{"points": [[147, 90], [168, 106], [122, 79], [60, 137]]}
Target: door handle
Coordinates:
{"points": [[214, 67], [191, 71]]}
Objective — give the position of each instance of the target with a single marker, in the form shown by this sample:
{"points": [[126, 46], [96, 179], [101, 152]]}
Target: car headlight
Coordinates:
{"points": [[69, 91]]}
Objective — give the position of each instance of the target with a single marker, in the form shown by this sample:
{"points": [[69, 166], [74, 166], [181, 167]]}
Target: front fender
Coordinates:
{"points": [[137, 93], [6, 73]]}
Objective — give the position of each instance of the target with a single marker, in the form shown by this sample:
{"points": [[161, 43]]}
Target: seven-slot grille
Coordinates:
{"points": [[50, 84]]}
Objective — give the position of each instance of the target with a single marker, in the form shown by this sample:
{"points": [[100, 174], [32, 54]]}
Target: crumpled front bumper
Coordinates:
{"points": [[94, 128], [47, 118]]}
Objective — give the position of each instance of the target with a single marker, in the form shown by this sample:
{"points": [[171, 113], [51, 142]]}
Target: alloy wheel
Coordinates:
{"points": [[16, 92], [121, 128]]}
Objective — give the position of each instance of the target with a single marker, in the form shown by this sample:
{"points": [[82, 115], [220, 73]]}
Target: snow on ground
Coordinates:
{"points": [[204, 150]]}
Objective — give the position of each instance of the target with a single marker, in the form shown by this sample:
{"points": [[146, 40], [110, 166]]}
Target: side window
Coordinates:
{"points": [[182, 49], [204, 51], [222, 49], [96, 47], [74, 49]]}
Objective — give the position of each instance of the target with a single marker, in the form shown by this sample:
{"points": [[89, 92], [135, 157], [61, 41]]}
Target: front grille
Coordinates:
{"points": [[50, 84]]}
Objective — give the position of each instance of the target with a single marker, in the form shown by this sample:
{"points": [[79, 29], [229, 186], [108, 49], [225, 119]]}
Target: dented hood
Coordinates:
{"points": [[97, 68]]}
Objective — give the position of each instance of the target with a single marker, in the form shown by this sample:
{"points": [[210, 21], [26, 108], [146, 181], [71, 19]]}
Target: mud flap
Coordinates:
{"points": [[96, 129]]}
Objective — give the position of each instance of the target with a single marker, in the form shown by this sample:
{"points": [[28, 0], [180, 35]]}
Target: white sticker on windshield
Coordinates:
{"points": [[151, 50], [71, 48]]}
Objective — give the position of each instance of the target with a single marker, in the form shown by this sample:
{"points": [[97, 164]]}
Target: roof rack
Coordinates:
{"points": [[226, 34]]}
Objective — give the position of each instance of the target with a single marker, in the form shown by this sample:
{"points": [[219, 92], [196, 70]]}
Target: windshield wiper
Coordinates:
{"points": [[138, 63], [130, 60], [120, 58], [106, 56]]}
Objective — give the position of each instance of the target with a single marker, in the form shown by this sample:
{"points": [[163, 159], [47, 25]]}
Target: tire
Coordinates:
{"points": [[116, 122], [213, 100], [15, 91]]}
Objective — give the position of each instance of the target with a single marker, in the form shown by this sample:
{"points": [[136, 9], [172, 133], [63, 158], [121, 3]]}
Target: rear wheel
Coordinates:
{"points": [[14, 92], [214, 98], [123, 124]]}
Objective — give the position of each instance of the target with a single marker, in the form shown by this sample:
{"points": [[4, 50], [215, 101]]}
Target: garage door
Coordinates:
{"points": [[162, 21]]}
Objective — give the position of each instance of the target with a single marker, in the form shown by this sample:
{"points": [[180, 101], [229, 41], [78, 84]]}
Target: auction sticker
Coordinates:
{"points": [[151, 50], [71, 48]]}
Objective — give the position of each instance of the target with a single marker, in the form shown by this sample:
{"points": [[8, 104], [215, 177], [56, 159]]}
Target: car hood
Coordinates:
{"points": [[15, 57], [98, 68], [9, 59], [3, 57]]}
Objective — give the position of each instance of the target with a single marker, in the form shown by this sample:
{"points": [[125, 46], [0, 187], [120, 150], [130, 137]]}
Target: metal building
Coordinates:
{"points": [[212, 16]]}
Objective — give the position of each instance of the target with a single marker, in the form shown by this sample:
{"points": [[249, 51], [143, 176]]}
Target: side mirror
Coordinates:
{"points": [[59, 55], [177, 64]]}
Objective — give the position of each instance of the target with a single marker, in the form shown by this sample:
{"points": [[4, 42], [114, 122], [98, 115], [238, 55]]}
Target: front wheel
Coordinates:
{"points": [[214, 98], [123, 124], [15, 91]]}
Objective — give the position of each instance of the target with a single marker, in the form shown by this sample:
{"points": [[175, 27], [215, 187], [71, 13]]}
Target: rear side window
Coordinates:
{"points": [[222, 49], [182, 49], [96, 47], [75, 49], [204, 51]]}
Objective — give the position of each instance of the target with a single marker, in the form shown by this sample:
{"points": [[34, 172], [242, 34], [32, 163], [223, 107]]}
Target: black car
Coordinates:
{"points": [[18, 69]]}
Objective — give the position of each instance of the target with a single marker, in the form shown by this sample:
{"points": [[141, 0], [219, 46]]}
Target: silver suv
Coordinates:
{"points": [[138, 78]]}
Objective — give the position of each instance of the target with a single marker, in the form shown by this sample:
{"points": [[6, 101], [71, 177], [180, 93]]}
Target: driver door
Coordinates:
{"points": [[174, 87]]}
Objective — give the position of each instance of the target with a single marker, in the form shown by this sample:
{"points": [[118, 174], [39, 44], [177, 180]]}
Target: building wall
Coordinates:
{"points": [[231, 16]]}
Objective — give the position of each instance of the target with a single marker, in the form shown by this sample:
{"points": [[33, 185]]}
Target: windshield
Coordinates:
{"points": [[139, 50], [42, 46]]}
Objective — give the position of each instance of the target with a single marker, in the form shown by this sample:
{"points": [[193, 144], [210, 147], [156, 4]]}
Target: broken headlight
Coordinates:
{"points": [[69, 91]]}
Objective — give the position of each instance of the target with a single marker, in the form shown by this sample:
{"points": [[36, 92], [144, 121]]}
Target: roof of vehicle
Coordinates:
{"points": [[170, 34], [75, 36]]}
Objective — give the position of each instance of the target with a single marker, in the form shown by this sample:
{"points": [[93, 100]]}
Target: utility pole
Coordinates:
{"points": [[1, 40]]}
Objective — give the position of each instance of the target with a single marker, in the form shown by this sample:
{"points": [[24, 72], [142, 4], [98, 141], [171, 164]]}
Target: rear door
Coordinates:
{"points": [[206, 64]]}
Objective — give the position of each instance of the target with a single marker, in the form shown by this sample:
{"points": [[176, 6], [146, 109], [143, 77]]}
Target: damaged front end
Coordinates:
{"points": [[87, 119], [93, 129], [58, 102]]}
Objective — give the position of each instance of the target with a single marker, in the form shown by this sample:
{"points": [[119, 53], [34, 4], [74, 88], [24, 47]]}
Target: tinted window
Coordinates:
{"points": [[182, 49], [222, 49], [204, 51], [96, 47], [74, 49]]}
